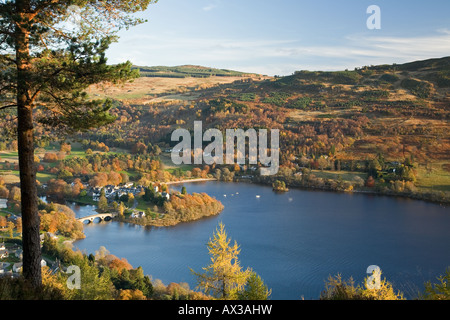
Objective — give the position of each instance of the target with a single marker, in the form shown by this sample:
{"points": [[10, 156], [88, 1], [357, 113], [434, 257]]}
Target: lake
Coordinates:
{"points": [[293, 240]]}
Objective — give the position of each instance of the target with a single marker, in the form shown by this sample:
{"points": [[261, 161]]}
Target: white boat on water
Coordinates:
{"points": [[258, 196]]}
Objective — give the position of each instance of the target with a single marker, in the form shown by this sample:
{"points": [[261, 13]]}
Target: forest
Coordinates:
{"points": [[378, 129], [388, 124]]}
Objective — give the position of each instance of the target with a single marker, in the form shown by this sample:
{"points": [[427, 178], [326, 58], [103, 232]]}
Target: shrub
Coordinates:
{"points": [[418, 88], [440, 290]]}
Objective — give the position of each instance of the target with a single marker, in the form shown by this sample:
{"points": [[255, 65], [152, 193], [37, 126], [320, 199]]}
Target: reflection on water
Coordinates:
{"points": [[293, 240]]}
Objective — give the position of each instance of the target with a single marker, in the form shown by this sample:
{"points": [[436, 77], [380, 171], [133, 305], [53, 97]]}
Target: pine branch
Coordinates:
{"points": [[8, 106]]}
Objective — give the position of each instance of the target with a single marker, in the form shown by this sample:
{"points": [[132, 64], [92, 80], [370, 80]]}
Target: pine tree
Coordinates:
{"points": [[255, 289], [224, 277], [50, 52]]}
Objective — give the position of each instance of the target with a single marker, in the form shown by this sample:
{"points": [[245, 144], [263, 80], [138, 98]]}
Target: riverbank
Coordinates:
{"points": [[190, 180], [438, 197]]}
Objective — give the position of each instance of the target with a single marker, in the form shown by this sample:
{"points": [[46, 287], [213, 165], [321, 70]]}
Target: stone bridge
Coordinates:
{"points": [[99, 216]]}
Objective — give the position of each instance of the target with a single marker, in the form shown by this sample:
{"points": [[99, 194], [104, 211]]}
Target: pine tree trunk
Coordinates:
{"points": [[30, 217]]}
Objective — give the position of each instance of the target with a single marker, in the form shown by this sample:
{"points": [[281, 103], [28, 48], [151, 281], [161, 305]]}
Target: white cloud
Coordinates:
{"points": [[274, 56], [211, 6], [444, 30]]}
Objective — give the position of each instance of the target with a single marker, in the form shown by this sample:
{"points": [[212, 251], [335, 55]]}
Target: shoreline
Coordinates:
{"points": [[415, 197], [190, 180]]}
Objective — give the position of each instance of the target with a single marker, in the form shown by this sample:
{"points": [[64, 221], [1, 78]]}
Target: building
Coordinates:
{"points": [[17, 267], [19, 253], [165, 195], [139, 214], [3, 203]]}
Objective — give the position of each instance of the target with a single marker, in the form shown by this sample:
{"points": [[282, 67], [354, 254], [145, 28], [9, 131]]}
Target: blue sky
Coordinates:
{"points": [[280, 37]]}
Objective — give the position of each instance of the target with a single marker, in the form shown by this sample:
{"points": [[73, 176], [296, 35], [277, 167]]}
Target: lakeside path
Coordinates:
{"points": [[189, 180]]}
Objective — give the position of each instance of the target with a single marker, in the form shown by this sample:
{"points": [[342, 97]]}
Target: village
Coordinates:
{"points": [[114, 193], [11, 255], [123, 192]]}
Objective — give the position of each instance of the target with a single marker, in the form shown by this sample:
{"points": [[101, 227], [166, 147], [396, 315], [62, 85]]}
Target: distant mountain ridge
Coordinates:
{"points": [[186, 71]]}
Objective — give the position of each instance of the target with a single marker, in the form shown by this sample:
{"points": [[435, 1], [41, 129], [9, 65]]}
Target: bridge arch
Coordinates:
{"points": [[97, 217]]}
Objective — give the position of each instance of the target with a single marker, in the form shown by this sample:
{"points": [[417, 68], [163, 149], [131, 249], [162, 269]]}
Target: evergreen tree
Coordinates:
{"points": [[50, 52], [255, 289], [439, 290]]}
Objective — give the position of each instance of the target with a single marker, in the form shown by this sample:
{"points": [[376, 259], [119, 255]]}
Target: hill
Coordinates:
{"points": [[187, 71], [342, 119], [389, 122]]}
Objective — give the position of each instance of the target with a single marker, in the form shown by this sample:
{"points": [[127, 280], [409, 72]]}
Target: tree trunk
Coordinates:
{"points": [[30, 217]]}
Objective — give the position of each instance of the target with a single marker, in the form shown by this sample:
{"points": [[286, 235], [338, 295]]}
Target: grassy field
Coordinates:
{"points": [[436, 180], [169, 166], [43, 177], [344, 175], [150, 88]]}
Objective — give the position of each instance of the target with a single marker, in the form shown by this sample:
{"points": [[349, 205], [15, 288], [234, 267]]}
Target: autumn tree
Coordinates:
{"points": [[50, 52], [19, 225], [121, 209], [14, 194], [4, 192], [103, 203], [10, 228], [224, 277], [338, 289]]}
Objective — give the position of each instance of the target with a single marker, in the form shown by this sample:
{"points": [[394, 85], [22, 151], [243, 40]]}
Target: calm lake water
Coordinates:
{"points": [[293, 240]]}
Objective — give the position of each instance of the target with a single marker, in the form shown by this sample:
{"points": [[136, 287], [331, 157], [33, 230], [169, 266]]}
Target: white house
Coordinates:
{"points": [[17, 267], [139, 214], [165, 195]]}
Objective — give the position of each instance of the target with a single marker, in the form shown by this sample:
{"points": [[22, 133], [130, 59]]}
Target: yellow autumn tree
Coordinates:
{"points": [[224, 278], [382, 291]]}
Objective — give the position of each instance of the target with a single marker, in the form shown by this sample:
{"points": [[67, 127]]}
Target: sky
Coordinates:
{"points": [[284, 36]]}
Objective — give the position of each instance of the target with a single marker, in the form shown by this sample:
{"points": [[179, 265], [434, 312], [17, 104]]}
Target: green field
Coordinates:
{"points": [[436, 180], [43, 177], [344, 175]]}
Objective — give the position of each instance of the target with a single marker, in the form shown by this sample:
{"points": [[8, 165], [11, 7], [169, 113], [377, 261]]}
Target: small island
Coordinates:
{"points": [[279, 186]]}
